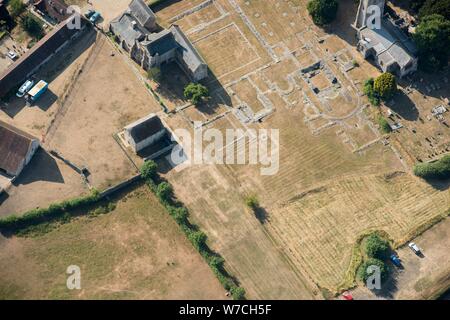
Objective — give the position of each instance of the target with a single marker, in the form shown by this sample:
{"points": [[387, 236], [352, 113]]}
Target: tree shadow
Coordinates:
{"points": [[390, 286], [402, 104], [42, 167], [261, 214], [440, 185]]}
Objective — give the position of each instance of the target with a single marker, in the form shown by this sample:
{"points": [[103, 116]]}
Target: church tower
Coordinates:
{"points": [[363, 13]]}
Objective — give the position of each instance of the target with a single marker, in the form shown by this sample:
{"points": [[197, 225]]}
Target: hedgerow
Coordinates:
{"points": [[164, 191]]}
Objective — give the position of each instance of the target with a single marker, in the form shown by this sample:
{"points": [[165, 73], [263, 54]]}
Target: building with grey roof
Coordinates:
{"points": [[152, 49], [390, 48], [144, 15], [144, 132]]}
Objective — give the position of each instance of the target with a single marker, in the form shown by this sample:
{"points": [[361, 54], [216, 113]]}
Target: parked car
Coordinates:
{"points": [[25, 88], [347, 296], [414, 248], [396, 260], [12, 55], [94, 17], [89, 13]]}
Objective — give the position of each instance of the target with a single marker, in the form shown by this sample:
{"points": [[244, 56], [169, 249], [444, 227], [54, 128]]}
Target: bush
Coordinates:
{"points": [[385, 85], [32, 26], [384, 125], [238, 293], [164, 191], [195, 92], [363, 273], [149, 170], [376, 247], [370, 92], [252, 202], [435, 170], [323, 11], [16, 8], [198, 239]]}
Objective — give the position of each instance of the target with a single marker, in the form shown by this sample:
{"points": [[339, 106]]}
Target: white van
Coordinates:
{"points": [[25, 88]]}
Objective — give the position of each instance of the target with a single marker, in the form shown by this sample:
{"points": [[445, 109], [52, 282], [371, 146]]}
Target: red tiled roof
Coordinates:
{"points": [[14, 147]]}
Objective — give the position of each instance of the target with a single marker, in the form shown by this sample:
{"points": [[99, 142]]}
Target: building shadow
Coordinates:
{"points": [[172, 81], [160, 5], [402, 104], [61, 61], [218, 95], [3, 197], [42, 167], [342, 25], [13, 106]]}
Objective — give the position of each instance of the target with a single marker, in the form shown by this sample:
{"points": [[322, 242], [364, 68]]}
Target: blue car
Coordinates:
{"points": [[94, 17], [396, 261]]}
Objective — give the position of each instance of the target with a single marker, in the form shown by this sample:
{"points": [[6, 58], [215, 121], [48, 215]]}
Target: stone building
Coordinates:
{"points": [[388, 46]]}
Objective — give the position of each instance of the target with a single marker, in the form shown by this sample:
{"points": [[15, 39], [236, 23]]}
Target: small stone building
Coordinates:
{"points": [[388, 46], [16, 149], [144, 132]]}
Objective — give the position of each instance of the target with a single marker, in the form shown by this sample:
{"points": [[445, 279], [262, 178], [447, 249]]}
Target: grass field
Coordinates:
{"points": [[336, 179], [134, 252]]}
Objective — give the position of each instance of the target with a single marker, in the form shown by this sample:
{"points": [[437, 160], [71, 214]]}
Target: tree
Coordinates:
{"points": [[164, 191], [149, 169], [323, 11], [252, 202], [376, 247], [154, 74], [16, 7], [238, 293], [432, 38], [431, 7], [32, 26], [384, 125], [385, 85], [363, 270], [195, 92]]}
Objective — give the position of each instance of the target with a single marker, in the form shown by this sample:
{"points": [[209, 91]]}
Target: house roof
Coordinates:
{"points": [[56, 9], [123, 27], [188, 53], [16, 73], [14, 147], [145, 128], [142, 12], [160, 43]]}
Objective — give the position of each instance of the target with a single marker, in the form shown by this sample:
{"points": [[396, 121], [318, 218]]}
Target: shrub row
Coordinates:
{"points": [[164, 191], [43, 215], [434, 170]]}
